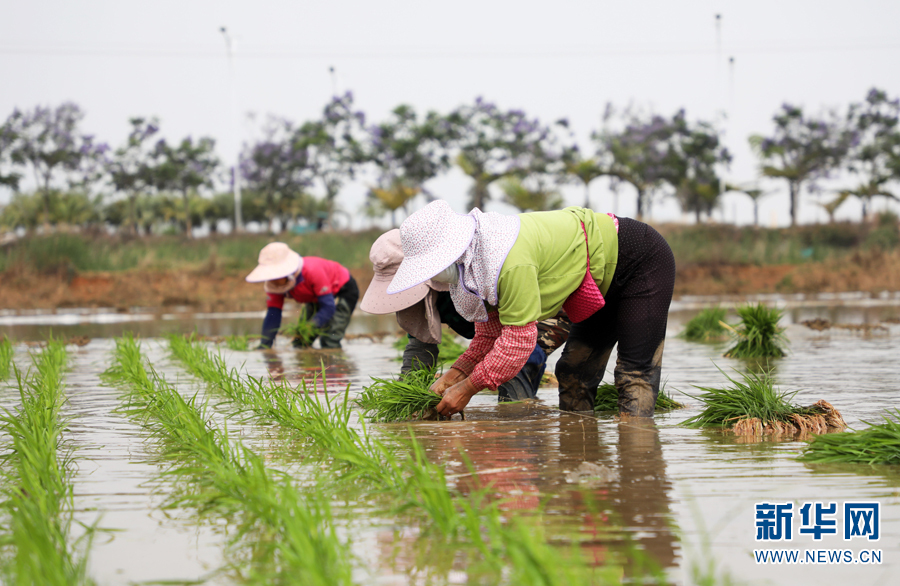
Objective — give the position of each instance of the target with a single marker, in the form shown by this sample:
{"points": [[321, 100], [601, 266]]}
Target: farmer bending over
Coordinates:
{"points": [[323, 284], [614, 278], [423, 308]]}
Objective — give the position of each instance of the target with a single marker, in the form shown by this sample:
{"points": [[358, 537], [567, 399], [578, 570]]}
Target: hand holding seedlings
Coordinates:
{"points": [[447, 380], [456, 397]]}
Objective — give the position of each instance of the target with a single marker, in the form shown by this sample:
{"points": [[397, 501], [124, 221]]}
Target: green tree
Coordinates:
{"points": [[131, 167], [491, 143], [333, 145], [185, 168], [278, 169], [584, 170], [530, 199], [636, 151], [406, 152], [801, 149], [51, 143], [874, 153]]}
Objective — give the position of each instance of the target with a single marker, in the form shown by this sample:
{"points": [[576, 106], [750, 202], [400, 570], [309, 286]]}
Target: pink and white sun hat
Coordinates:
{"points": [[386, 255], [433, 238], [276, 260]]}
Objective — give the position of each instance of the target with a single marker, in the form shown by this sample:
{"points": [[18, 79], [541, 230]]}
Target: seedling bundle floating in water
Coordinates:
{"points": [[399, 400], [706, 326], [607, 399], [876, 444], [758, 334], [753, 406]]}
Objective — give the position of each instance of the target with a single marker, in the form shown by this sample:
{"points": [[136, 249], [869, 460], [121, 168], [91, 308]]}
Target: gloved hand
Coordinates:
{"points": [[447, 380]]}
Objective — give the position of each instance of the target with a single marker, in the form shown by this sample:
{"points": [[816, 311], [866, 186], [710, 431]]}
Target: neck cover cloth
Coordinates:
{"points": [[480, 264], [284, 289]]}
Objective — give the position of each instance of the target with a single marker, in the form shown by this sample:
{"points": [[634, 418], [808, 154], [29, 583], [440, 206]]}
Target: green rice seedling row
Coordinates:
{"points": [[228, 478], [413, 483], [37, 482]]}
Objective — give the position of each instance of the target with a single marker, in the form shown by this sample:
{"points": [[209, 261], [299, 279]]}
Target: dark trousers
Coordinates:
{"points": [[634, 317], [344, 304]]}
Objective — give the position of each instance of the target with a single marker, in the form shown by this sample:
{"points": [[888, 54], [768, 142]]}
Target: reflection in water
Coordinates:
{"points": [[523, 452], [311, 367]]}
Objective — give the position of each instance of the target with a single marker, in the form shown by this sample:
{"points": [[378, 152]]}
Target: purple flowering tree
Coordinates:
{"points": [[278, 171], [637, 152], [130, 168], [49, 142], [874, 155], [407, 151], [801, 149], [334, 146], [184, 168], [491, 143]]}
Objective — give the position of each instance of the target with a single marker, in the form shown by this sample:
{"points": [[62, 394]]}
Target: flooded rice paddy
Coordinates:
{"points": [[682, 498]]}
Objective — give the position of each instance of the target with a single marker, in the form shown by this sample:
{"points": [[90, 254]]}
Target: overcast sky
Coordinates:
{"points": [[553, 59]]}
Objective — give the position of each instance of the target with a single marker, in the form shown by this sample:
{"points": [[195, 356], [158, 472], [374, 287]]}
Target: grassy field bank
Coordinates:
{"points": [[77, 270]]}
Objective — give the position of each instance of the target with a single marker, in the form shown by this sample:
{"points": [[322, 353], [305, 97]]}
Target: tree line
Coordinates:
{"points": [[293, 173]]}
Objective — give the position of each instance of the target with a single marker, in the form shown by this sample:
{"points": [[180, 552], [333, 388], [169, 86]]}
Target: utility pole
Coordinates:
{"points": [[235, 132]]}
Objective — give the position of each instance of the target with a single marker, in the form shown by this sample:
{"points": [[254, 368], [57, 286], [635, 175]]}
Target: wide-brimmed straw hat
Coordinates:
{"points": [[433, 238], [276, 260], [386, 255]]}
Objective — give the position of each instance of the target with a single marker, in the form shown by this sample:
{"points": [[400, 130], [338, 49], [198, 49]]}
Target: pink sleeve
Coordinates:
{"points": [[275, 300], [506, 358], [486, 333]]}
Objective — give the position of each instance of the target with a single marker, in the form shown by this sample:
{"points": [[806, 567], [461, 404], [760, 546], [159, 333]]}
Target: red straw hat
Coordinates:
{"points": [[276, 260], [433, 238]]}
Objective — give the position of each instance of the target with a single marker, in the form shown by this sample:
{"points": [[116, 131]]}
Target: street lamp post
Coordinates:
{"points": [[235, 131]]}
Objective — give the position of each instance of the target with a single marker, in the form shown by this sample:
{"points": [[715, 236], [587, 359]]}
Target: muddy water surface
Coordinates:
{"points": [[685, 497]]}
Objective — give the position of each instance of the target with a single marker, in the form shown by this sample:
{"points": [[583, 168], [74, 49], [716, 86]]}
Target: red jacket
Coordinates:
{"points": [[319, 277]]}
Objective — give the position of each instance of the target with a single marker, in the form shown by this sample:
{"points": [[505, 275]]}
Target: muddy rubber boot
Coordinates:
{"points": [[418, 355], [639, 387], [579, 371], [520, 387]]}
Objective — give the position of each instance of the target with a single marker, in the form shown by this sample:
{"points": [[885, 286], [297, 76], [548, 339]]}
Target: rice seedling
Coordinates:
{"points": [[414, 484], [229, 478], [706, 326], [6, 355], [876, 444], [37, 487], [607, 399], [753, 406], [239, 343], [758, 334], [403, 399], [302, 330]]}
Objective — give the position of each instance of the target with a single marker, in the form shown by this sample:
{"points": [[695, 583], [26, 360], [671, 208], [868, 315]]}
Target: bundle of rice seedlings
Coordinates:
{"points": [[758, 334], [706, 326], [399, 399], [607, 399], [302, 330], [753, 406], [876, 444]]}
